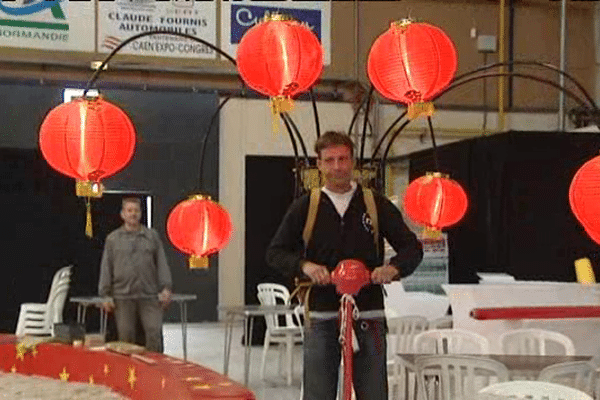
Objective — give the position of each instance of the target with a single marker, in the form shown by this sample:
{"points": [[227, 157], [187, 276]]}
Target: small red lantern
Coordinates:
{"points": [[584, 197], [435, 201], [280, 58], [411, 63], [199, 227], [349, 276], [88, 139]]}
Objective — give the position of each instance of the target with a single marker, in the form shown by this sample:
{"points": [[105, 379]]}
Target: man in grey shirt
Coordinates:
{"points": [[135, 275]]}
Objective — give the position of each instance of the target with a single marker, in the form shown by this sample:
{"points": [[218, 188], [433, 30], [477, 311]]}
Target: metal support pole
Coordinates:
{"points": [[563, 66]]}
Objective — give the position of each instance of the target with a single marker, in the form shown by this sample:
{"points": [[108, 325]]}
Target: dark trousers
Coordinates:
{"points": [[150, 314], [322, 353]]}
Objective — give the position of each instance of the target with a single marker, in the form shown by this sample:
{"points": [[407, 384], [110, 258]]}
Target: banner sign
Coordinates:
{"points": [[239, 16], [121, 19], [47, 25]]}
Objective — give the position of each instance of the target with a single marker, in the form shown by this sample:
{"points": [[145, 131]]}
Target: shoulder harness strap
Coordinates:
{"points": [[372, 211], [313, 208]]}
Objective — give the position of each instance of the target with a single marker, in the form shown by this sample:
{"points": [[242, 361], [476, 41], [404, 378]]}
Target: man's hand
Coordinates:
{"points": [[108, 306], [165, 298], [384, 274], [317, 273]]}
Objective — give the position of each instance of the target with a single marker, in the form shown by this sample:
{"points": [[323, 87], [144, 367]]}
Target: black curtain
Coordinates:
{"points": [[269, 192], [519, 220], [41, 225]]}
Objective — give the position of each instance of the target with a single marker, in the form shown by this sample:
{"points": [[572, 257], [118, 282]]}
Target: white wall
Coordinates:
{"points": [[246, 128]]}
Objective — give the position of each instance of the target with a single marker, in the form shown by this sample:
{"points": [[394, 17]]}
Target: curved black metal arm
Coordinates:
{"points": [[148, 33], [205, 139], [387, 132], [289, 119], [291, 133], [535, 63], [316, 114], [515, 74], [365, 121], [360, 106], [387, 150], [435, 151]]}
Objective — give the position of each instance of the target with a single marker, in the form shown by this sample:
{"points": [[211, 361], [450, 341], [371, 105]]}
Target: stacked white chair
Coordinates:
{"points": [[581, 375], [536, 342], [402, 331], [451, 341], [38, 319], [287, 334], [454, 377]]}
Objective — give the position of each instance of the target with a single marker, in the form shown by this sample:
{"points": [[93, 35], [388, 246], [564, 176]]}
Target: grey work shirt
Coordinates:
{"points": [[133, 264]]}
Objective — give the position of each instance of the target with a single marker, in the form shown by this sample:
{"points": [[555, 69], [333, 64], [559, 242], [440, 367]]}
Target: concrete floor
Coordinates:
{"points": [[205, 347]]}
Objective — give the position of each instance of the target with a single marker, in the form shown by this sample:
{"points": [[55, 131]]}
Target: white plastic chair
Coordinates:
{"points": [[402, 331], [454, 377], [536, 342], [444, 322], [531, 390], [38, 319], [581, 375], [287, 334], [451, 341]]}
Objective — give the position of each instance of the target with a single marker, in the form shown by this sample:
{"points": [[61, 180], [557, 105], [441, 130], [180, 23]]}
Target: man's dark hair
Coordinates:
{"points": [[135, 200], [333, 138]]}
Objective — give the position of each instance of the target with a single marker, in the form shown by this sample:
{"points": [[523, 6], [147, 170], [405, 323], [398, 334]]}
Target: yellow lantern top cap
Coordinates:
{"points": [[199, 197], [277, 17], [402, 24]]}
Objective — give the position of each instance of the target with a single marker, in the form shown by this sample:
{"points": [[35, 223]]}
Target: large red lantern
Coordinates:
{"points": [[88, 139], [411, 63], [435, 201], [280, 58], [584, 197], [199, 227]]}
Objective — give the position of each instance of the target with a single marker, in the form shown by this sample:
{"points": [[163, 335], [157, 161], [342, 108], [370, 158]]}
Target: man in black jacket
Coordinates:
{"points": [[343, 230]]}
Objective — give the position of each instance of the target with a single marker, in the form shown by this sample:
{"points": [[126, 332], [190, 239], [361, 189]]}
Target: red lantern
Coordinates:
{"points": [[280, 58], [199, 227], [349, 276], [411, 63], [88, 140], [584, 197], [435, 201]]}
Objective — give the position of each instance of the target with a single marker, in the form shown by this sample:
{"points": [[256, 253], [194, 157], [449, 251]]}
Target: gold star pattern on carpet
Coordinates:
{"points": [[20, 352], [163, 382], [13, 369], [21, 349], [204, 386], [91, 380], [64, 375], [131, 378], [106, 369]]}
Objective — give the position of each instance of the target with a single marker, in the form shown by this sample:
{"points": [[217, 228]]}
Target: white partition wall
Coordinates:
{"points": [[583, 331]]}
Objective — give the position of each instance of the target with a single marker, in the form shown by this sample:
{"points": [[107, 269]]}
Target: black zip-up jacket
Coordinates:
{"points": [[335, 239]]}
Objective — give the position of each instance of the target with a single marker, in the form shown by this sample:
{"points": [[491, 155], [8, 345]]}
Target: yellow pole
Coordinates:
{"points": [[502, 59]]}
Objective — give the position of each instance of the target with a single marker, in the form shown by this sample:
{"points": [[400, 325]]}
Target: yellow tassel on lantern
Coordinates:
{"points": [[88, 218], [431, 233], [196, 262], [280, 104], [89, 189], [415, 110]]}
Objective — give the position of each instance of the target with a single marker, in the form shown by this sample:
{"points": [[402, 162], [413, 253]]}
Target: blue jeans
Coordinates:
{"points": [[322, 353]]}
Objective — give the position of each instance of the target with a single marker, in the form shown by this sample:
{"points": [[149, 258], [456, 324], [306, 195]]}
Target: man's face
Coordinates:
{"points": [[131, 213], [335, 163]]}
